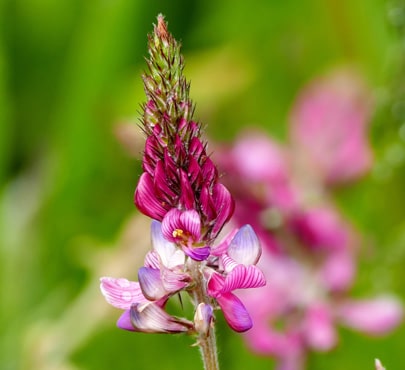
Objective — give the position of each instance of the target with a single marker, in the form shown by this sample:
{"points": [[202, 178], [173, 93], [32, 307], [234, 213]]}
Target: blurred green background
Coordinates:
{"points": [[70, 73]]}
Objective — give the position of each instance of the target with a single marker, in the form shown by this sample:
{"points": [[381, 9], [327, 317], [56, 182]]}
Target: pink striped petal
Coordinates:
{"points": [[191, 223], [245, 246], [121, 293], [242, 277], [372, 316], [170, 223], [227, 263], [151, 283], [152, 260], [215, 284], [235, 312], [145, 198], [151, 318], [186, 222]]}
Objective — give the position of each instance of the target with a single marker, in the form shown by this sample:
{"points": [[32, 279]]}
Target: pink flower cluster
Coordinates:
{"points": [[167, 271], [309, 256], [181, 192]]}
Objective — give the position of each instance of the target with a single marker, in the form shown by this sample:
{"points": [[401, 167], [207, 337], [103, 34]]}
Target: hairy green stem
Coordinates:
{"points": [[207, 342]]}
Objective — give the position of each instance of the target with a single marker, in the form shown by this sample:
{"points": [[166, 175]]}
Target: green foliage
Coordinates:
{"points": [[70, 71]]}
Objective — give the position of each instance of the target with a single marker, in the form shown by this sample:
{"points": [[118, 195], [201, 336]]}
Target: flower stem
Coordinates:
{"points": [[206, 341]]}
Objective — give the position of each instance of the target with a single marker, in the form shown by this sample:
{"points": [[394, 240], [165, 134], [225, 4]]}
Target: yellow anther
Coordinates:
{"points": [[177, 233]]}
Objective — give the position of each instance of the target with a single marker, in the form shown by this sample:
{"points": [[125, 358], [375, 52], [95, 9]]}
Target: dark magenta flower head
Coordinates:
{"points": [[178, 172]]}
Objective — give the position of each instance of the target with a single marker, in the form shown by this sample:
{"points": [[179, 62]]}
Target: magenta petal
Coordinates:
{"points": [[224, 204], [209, 171], [215, 284], [245, 246], [197, 253], [151, 318], [242, 277], [121, 293], [146, 200], [207, 204], [187, 193], [162, 182], [235, 312], [151, 283], [124, 322], [373, 316], [194, 171], [196, 149]]}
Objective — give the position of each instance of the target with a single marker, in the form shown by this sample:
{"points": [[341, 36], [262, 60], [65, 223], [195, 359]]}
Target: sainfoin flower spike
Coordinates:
{"points": [[180, 190]]}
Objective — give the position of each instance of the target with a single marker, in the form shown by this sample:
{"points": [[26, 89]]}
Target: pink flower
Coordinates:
{"points": [[329, 126], [166, 271], [309, 249], [239, 272]]}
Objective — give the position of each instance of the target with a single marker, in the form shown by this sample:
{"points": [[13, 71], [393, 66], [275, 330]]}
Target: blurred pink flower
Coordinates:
{"points": [[329, 126], [309, 249]]}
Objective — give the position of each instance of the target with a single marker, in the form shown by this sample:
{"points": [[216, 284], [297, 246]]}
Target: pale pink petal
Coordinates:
{"points": [[328, 126], [378, 365], [318, 328], [338, 270], [151, 318], [242, 277], [203, 317], [245, 246], [222, 247], [174, 281], [170, 255], [121, 293], [235, 312], [372, 316], [258, 158], [151, 283]]}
